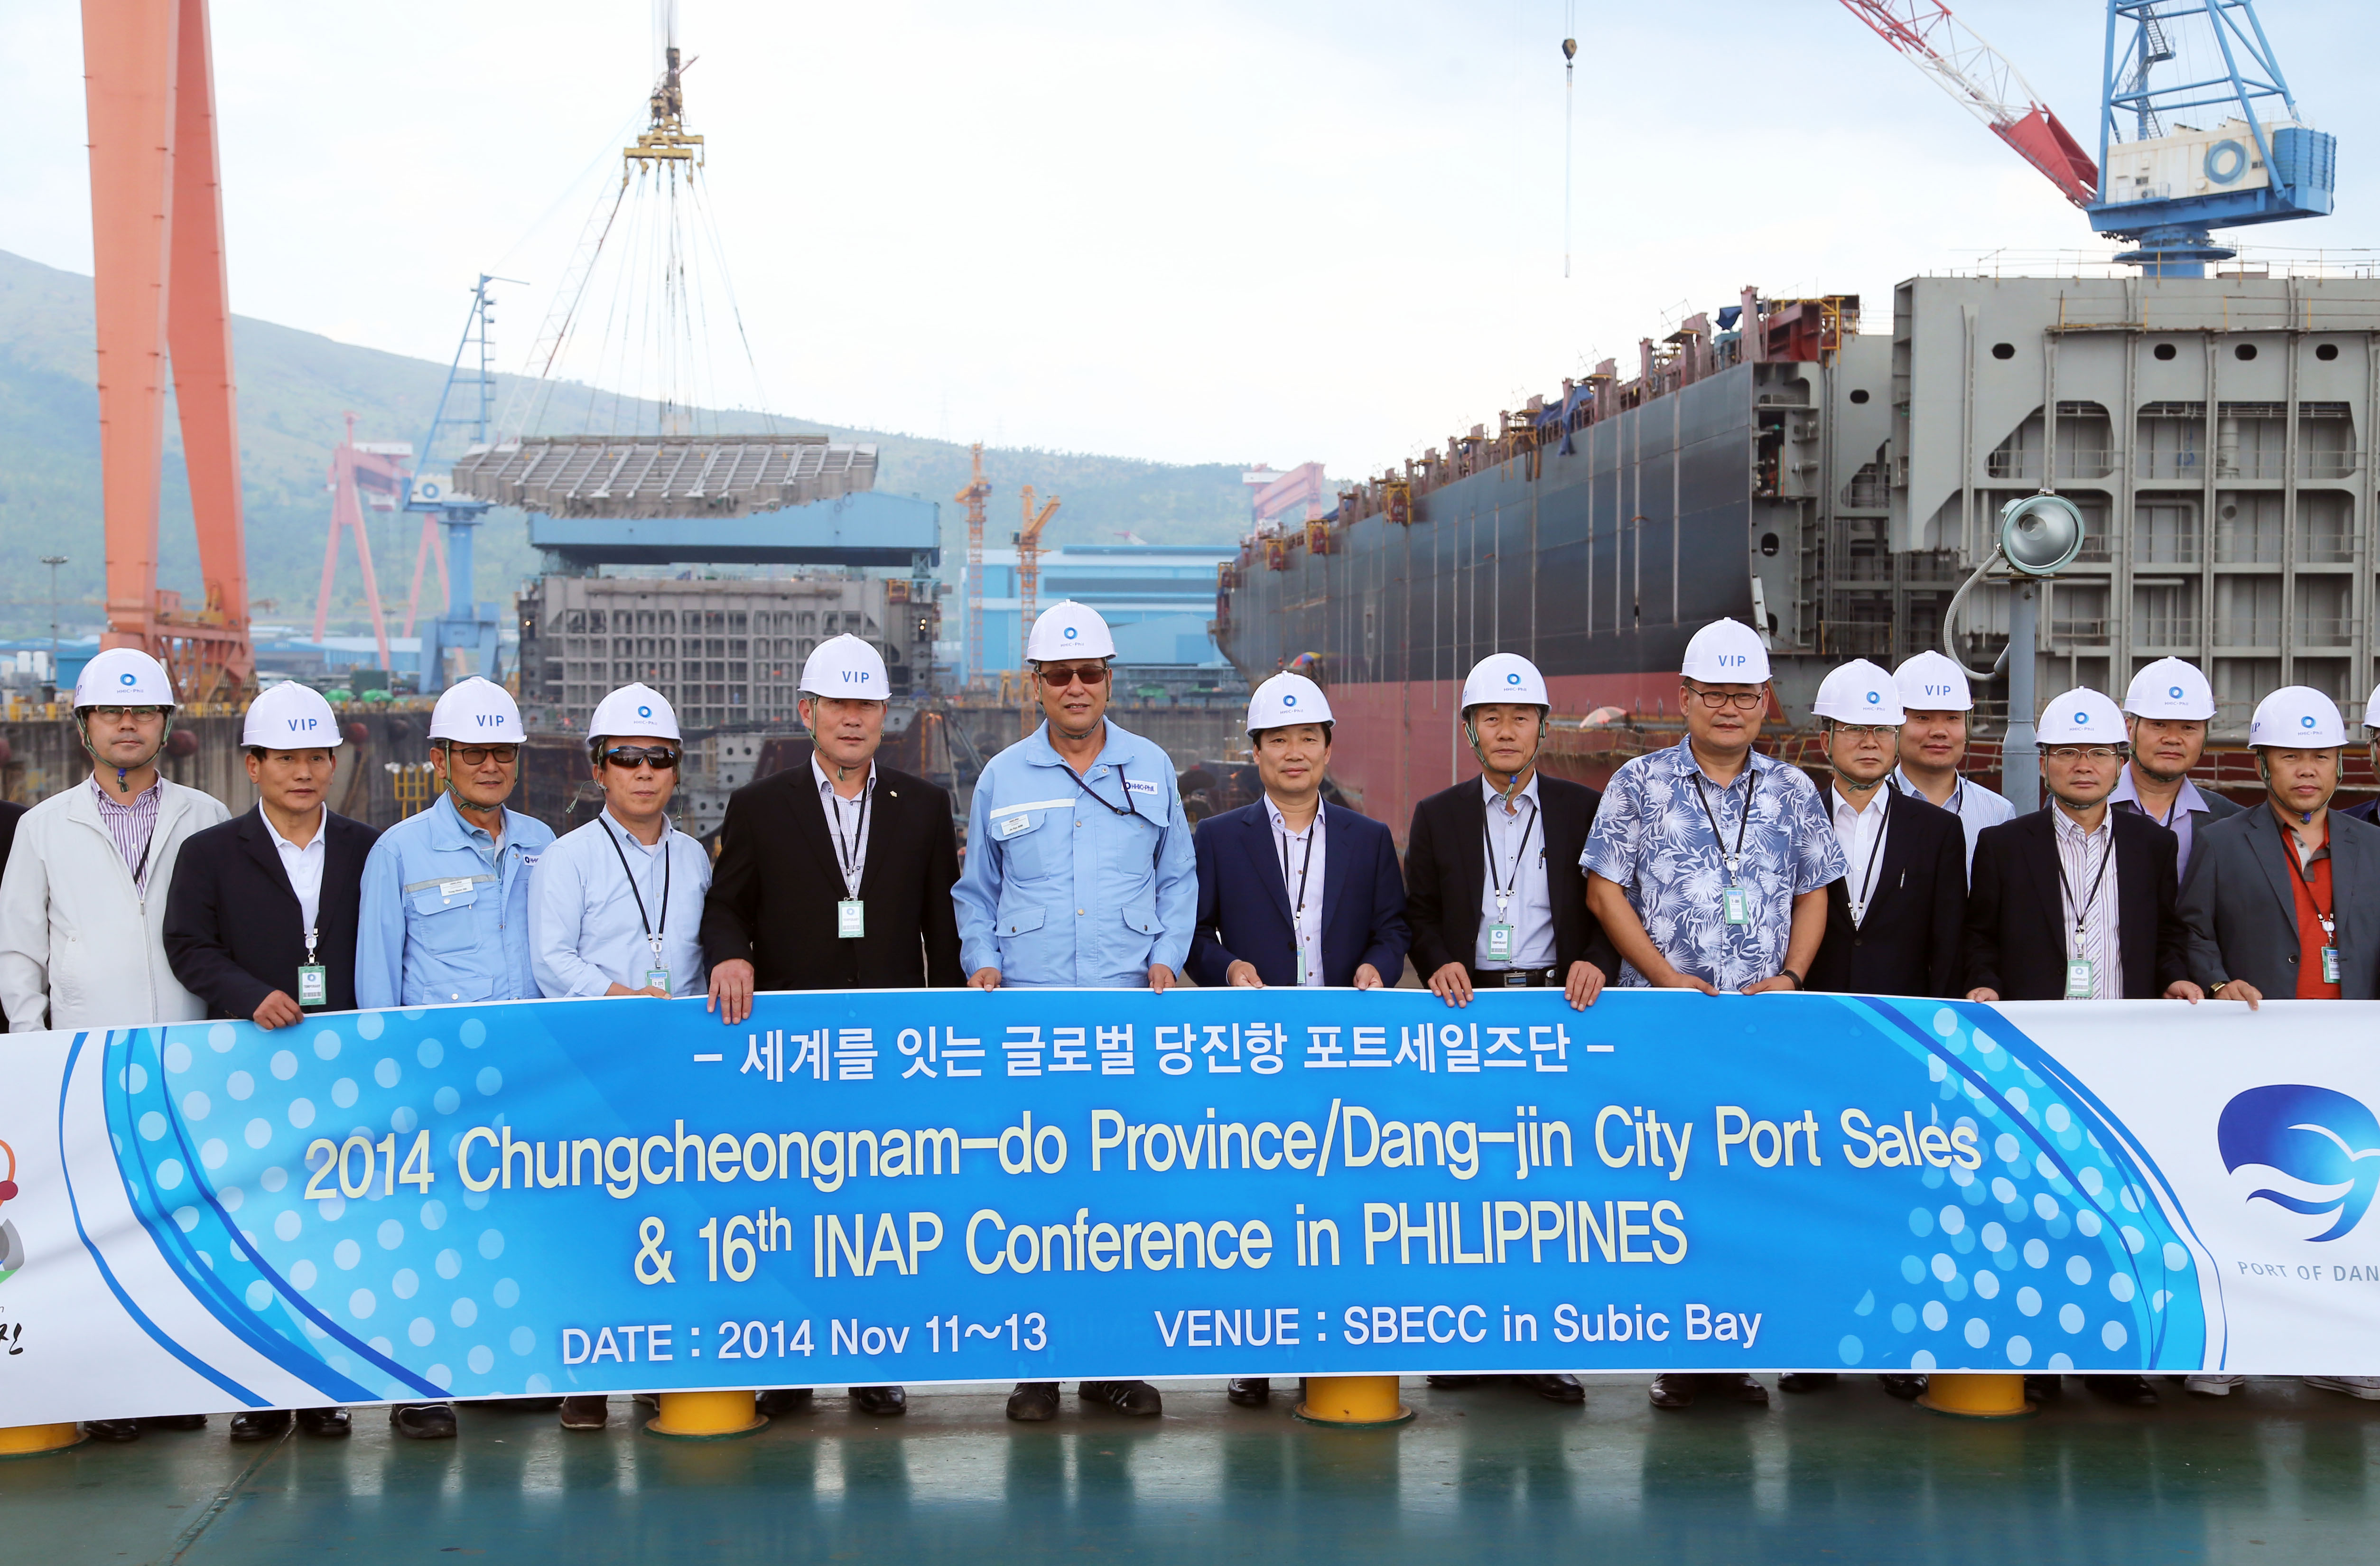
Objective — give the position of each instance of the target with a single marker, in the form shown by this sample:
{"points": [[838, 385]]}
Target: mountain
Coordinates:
{"points": [[295, 388]]}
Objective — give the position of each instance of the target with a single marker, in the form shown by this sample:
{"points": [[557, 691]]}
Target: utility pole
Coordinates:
{"points": [[53, 562]]}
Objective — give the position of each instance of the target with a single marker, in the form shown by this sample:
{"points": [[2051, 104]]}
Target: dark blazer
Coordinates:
{"points": [[2016, 918], [8, 816], [2218, 809], [1244, 910], [2242, 910], [1445, 873], [1916, 913], [234, 933], [774, 891]]}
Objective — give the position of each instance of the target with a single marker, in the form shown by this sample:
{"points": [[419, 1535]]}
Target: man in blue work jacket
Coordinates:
{"points": [[445, 914], [1079, 868]]}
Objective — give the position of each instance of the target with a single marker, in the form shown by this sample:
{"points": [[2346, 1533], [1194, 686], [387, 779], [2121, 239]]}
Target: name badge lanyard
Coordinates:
{"points": [[1296, 921], [851, 914], [1874, 856], [313, 978], [1500, 944], [656, 977], [1126, 808], [1734, 907], [2081, 983], [2327, 916]]}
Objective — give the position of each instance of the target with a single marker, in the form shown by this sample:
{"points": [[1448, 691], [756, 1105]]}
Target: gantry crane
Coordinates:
{"points": [[160, 298], [2163, 189], [979, 490]]}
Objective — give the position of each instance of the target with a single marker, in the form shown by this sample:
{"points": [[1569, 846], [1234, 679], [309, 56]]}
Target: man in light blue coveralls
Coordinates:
{"points": [[1079, 869], [444, 914]]}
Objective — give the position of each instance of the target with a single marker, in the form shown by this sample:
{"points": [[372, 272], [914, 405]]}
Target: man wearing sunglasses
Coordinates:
{"points": [[1708, 867], [445, 896], [1079, 868]]}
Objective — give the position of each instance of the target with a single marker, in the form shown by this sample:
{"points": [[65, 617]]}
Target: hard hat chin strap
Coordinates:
{"points": [[123, 774], [1471, 733]]}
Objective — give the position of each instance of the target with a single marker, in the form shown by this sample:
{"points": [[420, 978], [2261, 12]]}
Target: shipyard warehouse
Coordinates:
{"points": [[1535, 828]]}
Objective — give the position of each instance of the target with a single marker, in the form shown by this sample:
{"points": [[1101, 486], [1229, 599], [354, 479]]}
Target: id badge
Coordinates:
{"points": [[2079, 981], [850, 920], [657, 979], [1301, 967], [2330, 965], [1499, 943], [313, 985], [1734, 907]]}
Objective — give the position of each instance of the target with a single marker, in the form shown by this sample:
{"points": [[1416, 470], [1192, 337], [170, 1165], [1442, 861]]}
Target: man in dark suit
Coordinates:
{"points": [[1894, 921], [1292, 893], [1493, 887], [2166, 708], [260, 917], [2077, 902], [834, 876]]}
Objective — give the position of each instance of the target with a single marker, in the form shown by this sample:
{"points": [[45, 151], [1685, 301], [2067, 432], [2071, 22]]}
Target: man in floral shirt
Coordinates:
{"points": [[1708, 864]]}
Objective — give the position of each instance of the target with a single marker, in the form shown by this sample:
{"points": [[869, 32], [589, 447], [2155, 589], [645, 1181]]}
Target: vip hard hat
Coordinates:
{"points": [[2081, 717], [1726, 652], [478, 709], [124, 676], [846, 667], [2297, 718], [2171, 689], [1504, 677], [290, 717], [1931, 683], [2372, 709], [1285, 700], [1067, 629], [1859, 692], [633, 710]]}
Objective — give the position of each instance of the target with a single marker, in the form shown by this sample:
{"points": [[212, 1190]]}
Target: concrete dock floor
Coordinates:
{"points": [[2275, 1472]]}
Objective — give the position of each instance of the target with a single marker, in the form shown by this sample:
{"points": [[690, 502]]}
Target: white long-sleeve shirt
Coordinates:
{"points": [[585, 930]]}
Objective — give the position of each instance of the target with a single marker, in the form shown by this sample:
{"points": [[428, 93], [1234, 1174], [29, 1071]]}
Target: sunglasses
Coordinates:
{"points": [[660, 758], [1089, 674], [480, 755]]}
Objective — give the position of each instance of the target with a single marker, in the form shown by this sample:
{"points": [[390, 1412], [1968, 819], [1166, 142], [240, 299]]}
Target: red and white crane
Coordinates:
{"points": [[1981, 79]]}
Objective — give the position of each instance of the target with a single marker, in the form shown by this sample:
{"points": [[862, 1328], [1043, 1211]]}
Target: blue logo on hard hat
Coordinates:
{"points": [[644, 712], [2306, 721], [1513, 678], [2080, 716], [127, 678], [1289, 699], [2174, 691], [1070, 633], [2316, 1135], [1875, 699]]}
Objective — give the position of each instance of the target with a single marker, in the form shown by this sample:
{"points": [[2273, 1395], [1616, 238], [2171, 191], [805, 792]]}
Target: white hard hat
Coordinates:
{"points": [[2372, 709], [1067, 629], [1931, 683], [846, 667], [1504, 677], [2297, 718], [290, 717], [478, 709], [2081, 717], [1285, 700], [2171, 689], [124, 676], [1726, 652], [1859, 692], [633, 710]]}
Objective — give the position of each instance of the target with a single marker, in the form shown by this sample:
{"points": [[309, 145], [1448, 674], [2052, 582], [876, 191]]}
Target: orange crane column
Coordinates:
{"points": [[198, 329], [129, 66]]}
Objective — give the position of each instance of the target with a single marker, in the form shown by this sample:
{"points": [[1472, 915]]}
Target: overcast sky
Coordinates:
{"points": [[1232, 231]]}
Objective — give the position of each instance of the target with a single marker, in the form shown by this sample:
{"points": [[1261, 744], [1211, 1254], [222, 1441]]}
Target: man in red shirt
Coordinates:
{"points": [[2283, 903]]}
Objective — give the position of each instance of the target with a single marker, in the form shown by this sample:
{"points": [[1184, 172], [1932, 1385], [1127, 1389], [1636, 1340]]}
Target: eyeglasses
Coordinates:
{"points": [[480, 755], [117, 714], [1742, 700], [1060, 679], [1868, 731], [660, 758], [2082, 752]]}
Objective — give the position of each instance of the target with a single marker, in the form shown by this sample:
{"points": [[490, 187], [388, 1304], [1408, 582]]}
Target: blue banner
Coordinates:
{"points": [[922, 1186]]}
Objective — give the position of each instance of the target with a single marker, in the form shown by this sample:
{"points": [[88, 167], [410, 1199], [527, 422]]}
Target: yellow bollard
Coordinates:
{"points": [[1353, 1401], [706, 1416], [31, 1440], [1977, 1396]]}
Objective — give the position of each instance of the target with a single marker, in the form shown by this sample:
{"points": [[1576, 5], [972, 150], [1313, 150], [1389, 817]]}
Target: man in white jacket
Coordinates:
{"points": [[82, 903]]}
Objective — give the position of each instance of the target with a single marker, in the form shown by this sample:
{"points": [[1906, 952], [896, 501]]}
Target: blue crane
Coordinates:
{"points": [[470, 388]]}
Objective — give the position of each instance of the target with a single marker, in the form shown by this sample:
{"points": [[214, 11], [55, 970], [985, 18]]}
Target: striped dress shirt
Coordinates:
{"points": [[2080, 856], [131, 826]]}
